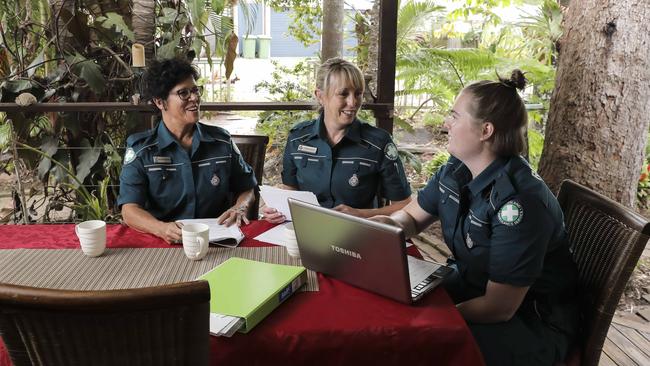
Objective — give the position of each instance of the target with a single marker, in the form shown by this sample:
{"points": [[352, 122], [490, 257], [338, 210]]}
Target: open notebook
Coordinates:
{"points": [[226, 236]]}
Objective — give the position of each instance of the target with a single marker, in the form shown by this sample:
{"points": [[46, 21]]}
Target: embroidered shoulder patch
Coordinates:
{"points": [[129, 155], [511, 213], [391, 151]]}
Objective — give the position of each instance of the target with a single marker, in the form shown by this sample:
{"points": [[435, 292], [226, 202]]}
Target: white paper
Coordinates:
{"points": [[277, 198], [224, 325], [219, 232], [274, 235]]}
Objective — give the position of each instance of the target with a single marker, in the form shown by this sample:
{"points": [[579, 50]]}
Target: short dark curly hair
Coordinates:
{"points": [[163, 75]]}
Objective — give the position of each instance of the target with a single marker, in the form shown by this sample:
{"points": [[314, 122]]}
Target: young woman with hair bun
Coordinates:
{"points": [[514, 280]]}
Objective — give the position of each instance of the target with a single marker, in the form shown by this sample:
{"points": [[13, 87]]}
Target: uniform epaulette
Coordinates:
{"points": [[450, 165], [377, 136], [302, 125], [139, 136], [502, 190], [215, 131]]}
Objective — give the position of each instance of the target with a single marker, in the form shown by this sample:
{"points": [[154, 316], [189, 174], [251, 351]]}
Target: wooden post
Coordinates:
{"points": [[386, 66]]}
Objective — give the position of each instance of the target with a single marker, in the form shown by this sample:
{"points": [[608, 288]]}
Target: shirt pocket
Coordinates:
{"points": [[360, 175], [309, 170], [164, 180], [214, 174], [477, 241]]}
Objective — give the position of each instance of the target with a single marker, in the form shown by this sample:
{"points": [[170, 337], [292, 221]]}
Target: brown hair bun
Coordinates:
{"points": [[517, 80]]}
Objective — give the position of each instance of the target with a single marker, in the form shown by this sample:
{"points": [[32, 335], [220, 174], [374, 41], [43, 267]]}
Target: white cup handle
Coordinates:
{"points": [[76, 230], [204, 247]]}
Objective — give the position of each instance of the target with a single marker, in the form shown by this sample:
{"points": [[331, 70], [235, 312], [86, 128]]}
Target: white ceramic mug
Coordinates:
{"points": [[196, 240], [92, 237], [290, 240]]}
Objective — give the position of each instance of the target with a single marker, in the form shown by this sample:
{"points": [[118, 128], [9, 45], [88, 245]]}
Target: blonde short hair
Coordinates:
{"points": [[339, 66]]}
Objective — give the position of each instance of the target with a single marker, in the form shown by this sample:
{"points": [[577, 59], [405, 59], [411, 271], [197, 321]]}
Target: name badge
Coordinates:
{"points": [[162, 160], [307, 149]]}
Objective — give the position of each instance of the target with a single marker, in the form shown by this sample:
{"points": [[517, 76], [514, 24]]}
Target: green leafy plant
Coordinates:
{"points": [[287, 84], [89, 205], [643, 187], [80, 51], [535, 147], [432, 166]]}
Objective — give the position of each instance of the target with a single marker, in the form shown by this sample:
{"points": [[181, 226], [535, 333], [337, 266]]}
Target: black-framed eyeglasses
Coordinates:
{"points": [[186, 93]]}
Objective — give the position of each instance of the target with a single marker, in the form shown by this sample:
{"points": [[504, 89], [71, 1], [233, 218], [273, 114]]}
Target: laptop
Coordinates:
{"points": [[361, 252]]}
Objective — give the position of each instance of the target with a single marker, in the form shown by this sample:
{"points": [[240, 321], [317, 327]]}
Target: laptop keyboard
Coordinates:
{"points": [[425, 275], [423, 286]]}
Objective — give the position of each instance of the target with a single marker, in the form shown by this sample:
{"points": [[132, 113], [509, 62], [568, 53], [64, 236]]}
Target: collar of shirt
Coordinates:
{"points": [[352, 133], [487, 176], [165, 137]]}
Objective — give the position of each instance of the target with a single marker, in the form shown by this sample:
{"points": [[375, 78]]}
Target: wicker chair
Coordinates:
{"points": [[606, 242], [165, 325], [253, 150]]}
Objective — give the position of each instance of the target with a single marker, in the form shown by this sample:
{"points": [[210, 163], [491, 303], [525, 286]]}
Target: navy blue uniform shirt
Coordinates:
{"points": [[505, 226], [171, 184], [349, 173]]}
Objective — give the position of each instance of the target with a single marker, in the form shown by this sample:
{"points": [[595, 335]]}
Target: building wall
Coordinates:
{"points": [[282, 44]]}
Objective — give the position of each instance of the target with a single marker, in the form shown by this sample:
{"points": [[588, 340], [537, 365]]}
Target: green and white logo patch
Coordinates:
{"points": [[129, 155], [511, 213], [391, 151]]}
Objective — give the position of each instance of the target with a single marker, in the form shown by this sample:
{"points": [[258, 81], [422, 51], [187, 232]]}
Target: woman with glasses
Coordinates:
{"points": [[181, 169], [345, 162]]}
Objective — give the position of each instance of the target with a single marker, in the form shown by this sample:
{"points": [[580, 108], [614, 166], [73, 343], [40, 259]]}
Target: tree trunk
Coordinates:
{"points": [[598, 119], [143, 20], [64, 19], [373, 53], [332, 39]]}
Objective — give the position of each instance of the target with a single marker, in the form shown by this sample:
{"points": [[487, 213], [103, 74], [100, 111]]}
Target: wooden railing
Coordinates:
{"points": [[123, 106]]}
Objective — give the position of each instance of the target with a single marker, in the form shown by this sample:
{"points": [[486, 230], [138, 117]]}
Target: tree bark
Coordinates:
{"points": [[373, 53], [598, 119], [143, 20], [332, 38]]}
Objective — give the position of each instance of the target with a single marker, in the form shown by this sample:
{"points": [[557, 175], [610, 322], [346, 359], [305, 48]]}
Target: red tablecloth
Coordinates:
{"points": [[340, 324]]}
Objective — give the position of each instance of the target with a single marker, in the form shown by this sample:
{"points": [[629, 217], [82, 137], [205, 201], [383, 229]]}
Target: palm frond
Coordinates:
{"points": [[412, 15]]}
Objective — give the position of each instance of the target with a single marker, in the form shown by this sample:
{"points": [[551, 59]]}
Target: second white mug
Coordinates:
{"points": [[290, 240], [195, 240]]}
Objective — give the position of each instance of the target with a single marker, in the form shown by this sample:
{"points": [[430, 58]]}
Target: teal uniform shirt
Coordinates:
{"points": [[172, 183], [506, 226], [361, 166]]}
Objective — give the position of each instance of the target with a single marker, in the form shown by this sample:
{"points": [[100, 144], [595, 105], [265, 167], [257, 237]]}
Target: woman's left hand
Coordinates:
{"points": [[234, 215], [349, 210]]}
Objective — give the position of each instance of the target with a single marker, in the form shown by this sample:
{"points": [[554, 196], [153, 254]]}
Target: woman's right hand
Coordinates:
{"points": [[272, 215]]}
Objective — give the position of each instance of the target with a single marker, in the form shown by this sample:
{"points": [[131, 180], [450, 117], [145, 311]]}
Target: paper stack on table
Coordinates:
{"points": [[225, 325], [277, 198]]}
